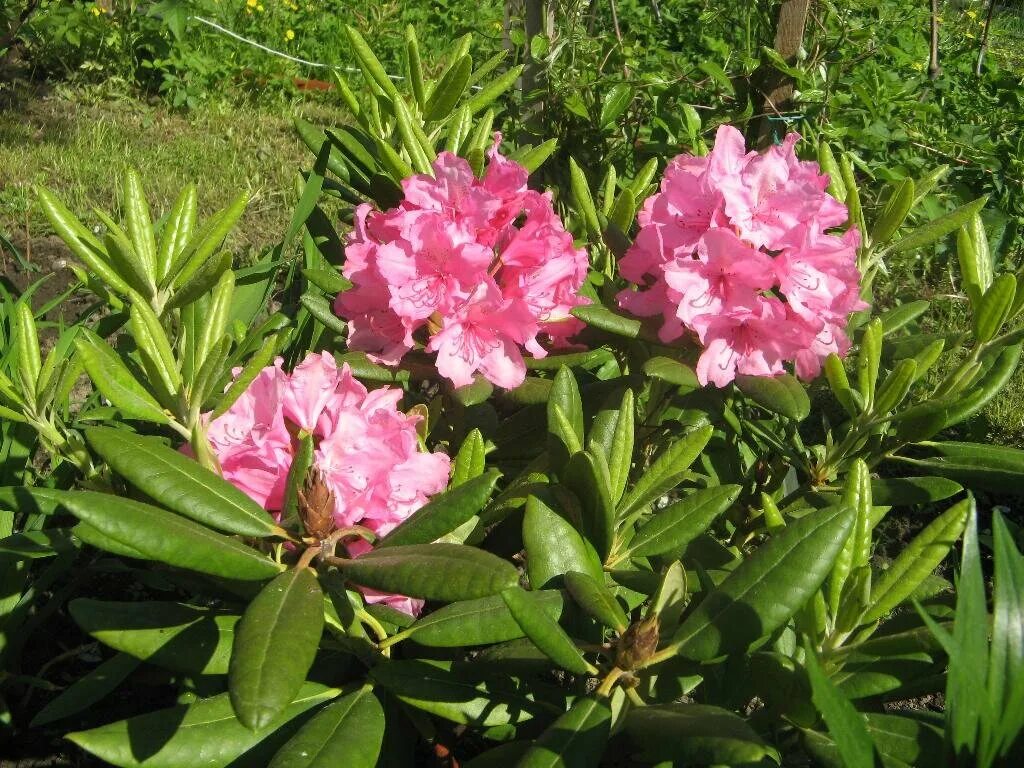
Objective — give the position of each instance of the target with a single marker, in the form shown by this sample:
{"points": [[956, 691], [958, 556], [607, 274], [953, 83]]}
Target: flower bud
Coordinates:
{"points": [[638, 643], [316, 505]]}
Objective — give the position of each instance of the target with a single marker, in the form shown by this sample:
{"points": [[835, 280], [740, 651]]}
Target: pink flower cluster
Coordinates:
{"points": [[367, 451], [735, 249], [484, 266]]}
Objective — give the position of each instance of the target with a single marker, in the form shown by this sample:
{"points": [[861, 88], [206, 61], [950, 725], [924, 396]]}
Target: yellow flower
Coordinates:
{"points": [[260, 7], [289, 34], [96, 11], [251, 3]]}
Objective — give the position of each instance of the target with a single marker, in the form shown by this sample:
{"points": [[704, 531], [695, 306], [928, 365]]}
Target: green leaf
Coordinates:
{"points": [[845, 724], [205, 243], [575, 740], [694, 734], [910, 491], [114, 381], [275, 644], [583, 199], [587, 476], [140, 224], [444, 513], [534, 157], [994, 308], [449, 90], [175, 636], [415, 65], [458, 696], [916, 561], [899, 316], [565, 397], [163, 536], [672, 371], [320, 308], [938, 228], [490, 92], [896, 386], [968, 710], [667, 471], [1006, 661], [544, 632], [81, 241], [87, 690], [469, 461], [177, 230], [554, 547], [36, 544], [767, 588], [483, 621], [29, 362], [346, 732], [370, 64], [204, 733], [894, 213], [446, 572], [678, 524], [596, 599], [868, 359], [180, 483], [603, 318], [615, 103], [900, 742], [612, 434]]}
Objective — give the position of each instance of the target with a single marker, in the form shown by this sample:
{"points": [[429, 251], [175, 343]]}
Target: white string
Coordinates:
{"points": [[283, 55]]}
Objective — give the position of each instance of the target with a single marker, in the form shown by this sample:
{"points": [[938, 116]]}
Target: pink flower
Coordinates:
{"points": [[735, 250], [477, 270], [367, 451]]}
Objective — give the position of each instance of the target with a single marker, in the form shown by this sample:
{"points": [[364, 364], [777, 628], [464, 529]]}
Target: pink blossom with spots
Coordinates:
{"points": [[737, 249], [366, 450], [478, 270]]}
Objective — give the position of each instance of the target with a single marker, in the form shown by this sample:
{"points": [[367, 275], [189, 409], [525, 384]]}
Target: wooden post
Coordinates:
{"points": [[934, 70], [776, 87]]}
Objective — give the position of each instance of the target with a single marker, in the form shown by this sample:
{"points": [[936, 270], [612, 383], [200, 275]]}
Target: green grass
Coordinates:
{"points": [[78, 142]]}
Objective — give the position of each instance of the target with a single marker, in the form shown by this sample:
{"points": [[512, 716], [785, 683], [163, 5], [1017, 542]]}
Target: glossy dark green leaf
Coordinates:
{"points": [[114, 381], [603, 318], [346, 732], [163, 536], [845, 724], [205, 733], [916, 561], [575, 740], [694, 734], [544, 632], [615, 103], [554, 547], [459, 696], [612, 433], [565, 412], [781, 394], [180, 483], [596, 599], [893, 213], [449, 90], [678, 524], [994, 307], [767, 588], [469, 461], [928, 233], [444, 513], [275, 644], [672, 371], [87, 690], [587, 476], [899, 316], [909, 491], [483, 621], [35, 544], [899, 741], [175, 636], [1006, 659], [446, 572], [667, 471]]}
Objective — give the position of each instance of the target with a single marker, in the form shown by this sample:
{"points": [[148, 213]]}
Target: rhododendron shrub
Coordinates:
{"points": [[740, 250], [367, 452], [626, 561], [476, 270]]}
